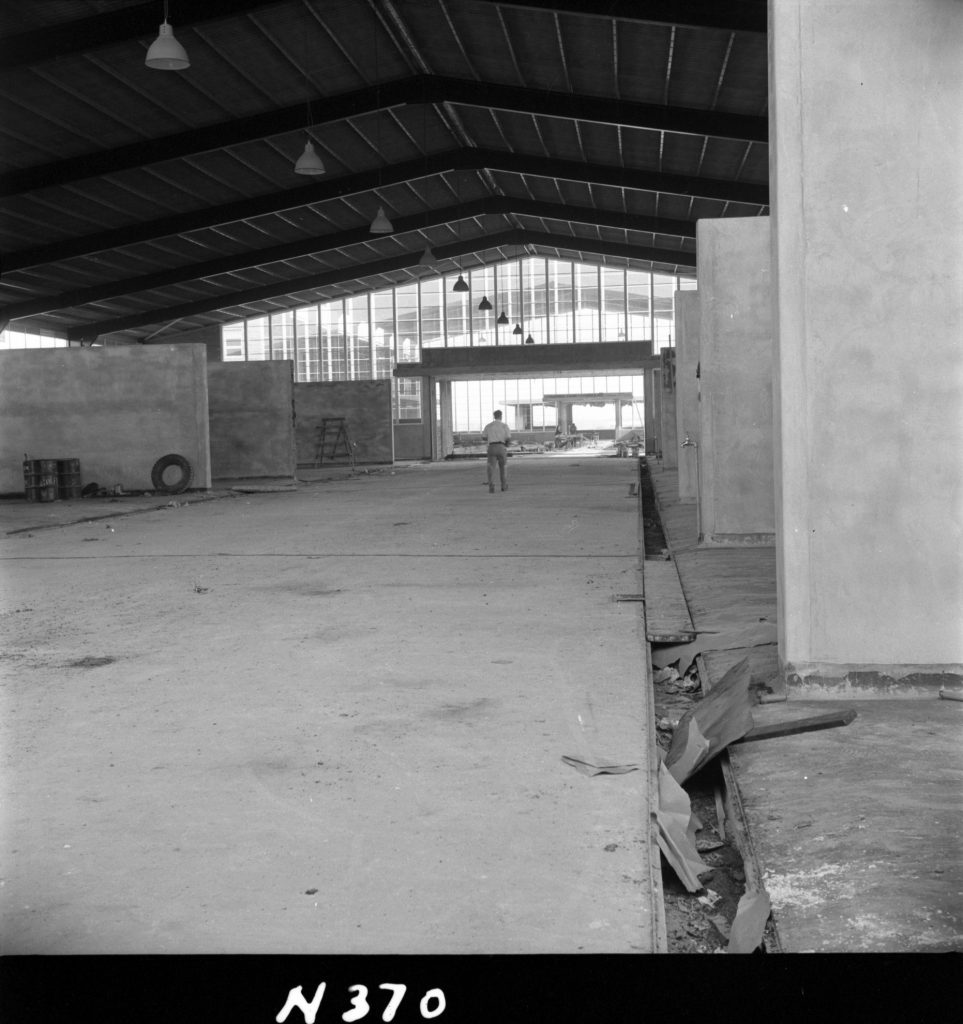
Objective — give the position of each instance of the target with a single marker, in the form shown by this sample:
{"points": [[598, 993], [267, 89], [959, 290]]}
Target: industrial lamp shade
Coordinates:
{"points": [[517, 329], [529, 340], [502, 318], [381, 225], [427, 257], [484, 305], [461, 285], [309, 162], [166, 53]]}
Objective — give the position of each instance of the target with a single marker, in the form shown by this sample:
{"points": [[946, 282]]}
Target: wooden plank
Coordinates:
{"points": [[794, 726], [667, 618]]}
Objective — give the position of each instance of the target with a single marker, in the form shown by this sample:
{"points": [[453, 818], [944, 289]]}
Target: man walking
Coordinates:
{"points": [[498, 437]]}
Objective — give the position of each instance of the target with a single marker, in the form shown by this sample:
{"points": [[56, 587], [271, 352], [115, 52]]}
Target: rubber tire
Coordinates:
{"points": [[164, 463]]}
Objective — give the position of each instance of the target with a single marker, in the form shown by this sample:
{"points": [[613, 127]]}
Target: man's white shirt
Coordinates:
{"points": [[496, 433]]}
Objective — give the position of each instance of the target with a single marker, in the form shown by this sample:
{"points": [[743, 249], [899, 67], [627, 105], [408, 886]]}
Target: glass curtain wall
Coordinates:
{"points": [[308, 364], [383, 331], [508, 278], [282, 335], [664, 288], [357, 318], [524, 405], [586, 303], [363, 337], [408, 325], [560, 311], [458, 310], [432, 312], [11, 340], [613, 303], [553, 301], [483, 326]]}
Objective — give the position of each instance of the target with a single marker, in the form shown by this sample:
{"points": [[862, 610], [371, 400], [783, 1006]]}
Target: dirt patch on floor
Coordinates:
{"points": [[90, 662]]}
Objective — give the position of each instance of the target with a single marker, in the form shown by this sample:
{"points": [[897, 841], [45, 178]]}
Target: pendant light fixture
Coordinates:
{"points": [[502, 318], [381, 225], [484, 306], [529, 340], [427, 257], [517, 329], [461, 285], [309, 162], [166, 53]]}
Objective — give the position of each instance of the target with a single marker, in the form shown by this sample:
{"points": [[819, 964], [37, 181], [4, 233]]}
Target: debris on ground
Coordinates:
{"points": [[693, 926], [721, 717], [760, 634], [749, 926], [795, 726], [676, 832], [586, 768]]}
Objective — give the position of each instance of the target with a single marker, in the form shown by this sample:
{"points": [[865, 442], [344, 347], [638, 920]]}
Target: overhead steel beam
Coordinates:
{"points": [[237, 262], [336, 188], [732, 15], [411, 90], [138, 21], [359, 272], [85, 35]]}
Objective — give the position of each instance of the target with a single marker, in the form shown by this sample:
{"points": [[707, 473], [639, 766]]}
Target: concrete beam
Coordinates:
{"points": [[504, 361]]}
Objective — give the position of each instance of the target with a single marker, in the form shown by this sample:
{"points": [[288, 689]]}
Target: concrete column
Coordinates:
{"points": [[669, 444], [447, 436], [657, 411], [653, 412], [687, 326], [866, 154], [736, 476]]}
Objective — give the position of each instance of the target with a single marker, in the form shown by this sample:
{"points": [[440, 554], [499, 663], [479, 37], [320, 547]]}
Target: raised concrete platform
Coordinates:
{"points": [[858, 830]]}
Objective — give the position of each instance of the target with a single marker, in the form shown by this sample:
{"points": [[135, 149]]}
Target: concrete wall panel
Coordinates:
{"points": [[866, 150], [117, 409], [252, 419], [687, 327], [670, 444], [365, 405], [737, 479]]}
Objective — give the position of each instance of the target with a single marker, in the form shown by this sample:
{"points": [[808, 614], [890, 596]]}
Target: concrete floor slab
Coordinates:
{"points": [[330, 719]]}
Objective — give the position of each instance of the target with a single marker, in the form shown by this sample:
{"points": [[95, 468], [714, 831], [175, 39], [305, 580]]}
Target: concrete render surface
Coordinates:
{"points": [[858, 831], [330, 718]]}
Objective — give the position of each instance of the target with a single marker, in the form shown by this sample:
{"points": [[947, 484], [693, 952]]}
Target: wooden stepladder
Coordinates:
{"points": [[333, 441]]}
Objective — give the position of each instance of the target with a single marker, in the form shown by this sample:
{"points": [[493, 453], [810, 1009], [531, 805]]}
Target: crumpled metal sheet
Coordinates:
{"points": [[723, 716], [677, 826]]}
